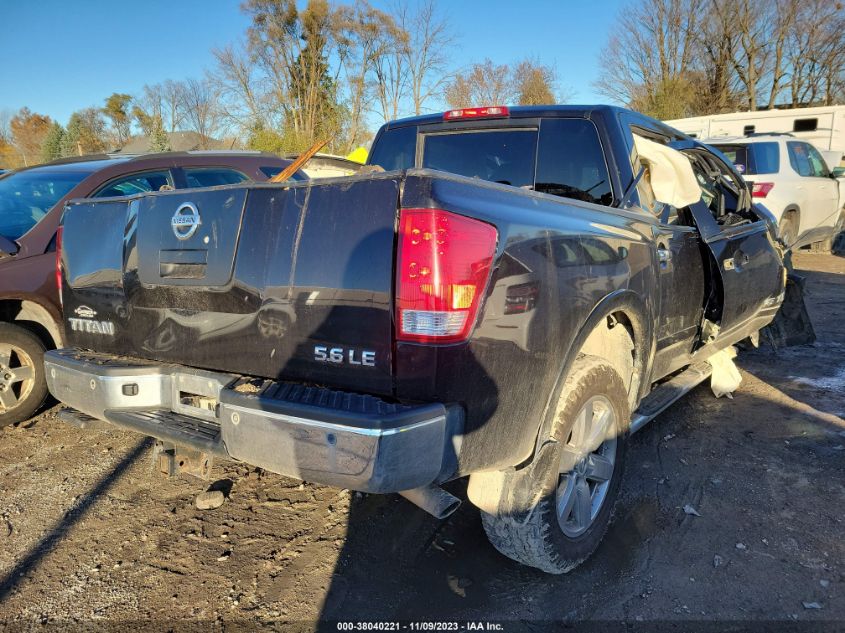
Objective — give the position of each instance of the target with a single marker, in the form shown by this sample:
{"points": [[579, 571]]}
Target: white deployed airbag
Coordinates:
{"points": [[669, 173]]}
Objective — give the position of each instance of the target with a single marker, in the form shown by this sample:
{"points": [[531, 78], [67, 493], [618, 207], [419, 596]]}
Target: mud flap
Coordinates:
{"points": [[792, 325]]}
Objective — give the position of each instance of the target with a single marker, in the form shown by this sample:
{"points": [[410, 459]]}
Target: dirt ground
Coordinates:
{"points": [[91, 534]]}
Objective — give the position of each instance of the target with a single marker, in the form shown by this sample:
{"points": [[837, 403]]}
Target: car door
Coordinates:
{"points": [[827, 189], [741, 244], [821, 192]]}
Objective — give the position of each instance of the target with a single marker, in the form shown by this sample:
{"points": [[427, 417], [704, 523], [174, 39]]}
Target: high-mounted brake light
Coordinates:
{"points": [[489, 112], [761, 189], [59, 262], [444, 264]]}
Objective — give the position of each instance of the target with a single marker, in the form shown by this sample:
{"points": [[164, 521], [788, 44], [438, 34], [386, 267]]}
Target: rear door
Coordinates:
{"points": [[822, 190], [749, 265]]}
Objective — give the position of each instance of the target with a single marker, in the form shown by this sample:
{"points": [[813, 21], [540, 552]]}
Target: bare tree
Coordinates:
{"points": [[427, 55], [483, 84], [243, 100], [650, 54], [392, 83], [364, 35], [535, 83], [200, 107]]}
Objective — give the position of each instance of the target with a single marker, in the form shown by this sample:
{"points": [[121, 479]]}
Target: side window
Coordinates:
{"points": [[799, 158], [212, 176], [136, 183], [395, 149], [570, 161], [820, 169]]}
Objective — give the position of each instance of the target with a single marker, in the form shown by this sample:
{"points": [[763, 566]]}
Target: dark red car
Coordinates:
{"points": [[31, 202]]}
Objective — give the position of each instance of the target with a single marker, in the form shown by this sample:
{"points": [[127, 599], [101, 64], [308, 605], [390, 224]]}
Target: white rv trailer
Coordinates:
{"points": [[823, 126]]}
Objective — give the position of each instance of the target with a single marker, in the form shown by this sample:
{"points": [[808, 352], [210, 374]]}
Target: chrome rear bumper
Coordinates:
{"points": [[336, 438]]}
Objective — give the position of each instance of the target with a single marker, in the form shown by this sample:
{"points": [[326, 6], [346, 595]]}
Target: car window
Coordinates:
{"points": [[502, 156], [27, 196], [136, 183], [395, 149], [820, 169], [212, 176], [799, 158], [271, 171], [753, 159], [570, 161]]}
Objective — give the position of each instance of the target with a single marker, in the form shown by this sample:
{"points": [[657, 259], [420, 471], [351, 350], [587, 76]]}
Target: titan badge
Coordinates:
{"points": [[84, 322]]}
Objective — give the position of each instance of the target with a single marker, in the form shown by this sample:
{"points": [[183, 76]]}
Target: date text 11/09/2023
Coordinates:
{"points": [[420, 626]]}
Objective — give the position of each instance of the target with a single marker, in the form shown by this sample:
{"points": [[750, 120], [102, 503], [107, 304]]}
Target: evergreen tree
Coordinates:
{"points": [[159, 141], [70, 142], [51, 149]]}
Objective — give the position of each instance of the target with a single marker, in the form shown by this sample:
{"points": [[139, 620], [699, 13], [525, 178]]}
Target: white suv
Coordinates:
{"points": [[791, 179]]}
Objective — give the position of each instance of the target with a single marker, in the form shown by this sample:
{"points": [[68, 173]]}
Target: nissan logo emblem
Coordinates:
{"points": [[185, 221]]}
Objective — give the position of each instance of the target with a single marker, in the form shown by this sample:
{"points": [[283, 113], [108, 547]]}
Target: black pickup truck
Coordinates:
{"points": [[508, 298]]}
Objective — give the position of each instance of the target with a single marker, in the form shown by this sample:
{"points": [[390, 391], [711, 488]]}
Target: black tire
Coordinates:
{"points": [[28, 394], [526, 527], [788, 230]]}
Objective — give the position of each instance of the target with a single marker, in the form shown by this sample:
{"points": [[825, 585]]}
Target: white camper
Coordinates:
{"points": [[823, 126]]}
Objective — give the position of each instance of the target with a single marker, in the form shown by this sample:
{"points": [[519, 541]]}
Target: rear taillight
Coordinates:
{"points": [[443, 267], [761, 189], [489, 112], [59, 262]]}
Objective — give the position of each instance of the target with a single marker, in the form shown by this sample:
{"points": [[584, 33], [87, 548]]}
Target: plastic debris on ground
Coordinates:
{"points": [[725, 378]]}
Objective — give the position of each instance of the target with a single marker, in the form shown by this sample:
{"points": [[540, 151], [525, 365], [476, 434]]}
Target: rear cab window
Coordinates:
{"points": [[559, 156]]}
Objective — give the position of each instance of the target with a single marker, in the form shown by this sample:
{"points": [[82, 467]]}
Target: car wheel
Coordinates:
{"points": [[23, 387], [554, 512], [788, 230]]}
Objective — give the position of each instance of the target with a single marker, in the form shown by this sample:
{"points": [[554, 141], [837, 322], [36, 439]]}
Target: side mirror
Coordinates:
{"points": [[838, 172], [7, 247]]}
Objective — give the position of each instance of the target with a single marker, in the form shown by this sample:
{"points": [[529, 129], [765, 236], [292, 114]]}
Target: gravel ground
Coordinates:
{"points": [[90, 533]]}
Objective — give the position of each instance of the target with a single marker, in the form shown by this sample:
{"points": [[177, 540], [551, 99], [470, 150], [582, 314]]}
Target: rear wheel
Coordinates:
{"points": [[556, 510], [23, 387]]}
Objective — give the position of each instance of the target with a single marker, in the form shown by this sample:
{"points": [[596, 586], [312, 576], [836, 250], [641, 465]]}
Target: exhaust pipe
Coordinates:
{"points": [[433, 499]]}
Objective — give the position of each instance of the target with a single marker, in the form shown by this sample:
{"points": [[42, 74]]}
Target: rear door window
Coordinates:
{"points": [[137, 183], [799, 158], [212, 176], [820, 169]]}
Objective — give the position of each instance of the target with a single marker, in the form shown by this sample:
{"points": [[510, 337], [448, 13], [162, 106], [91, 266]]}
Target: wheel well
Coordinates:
{"points": [[613, 339], [34, 317]]}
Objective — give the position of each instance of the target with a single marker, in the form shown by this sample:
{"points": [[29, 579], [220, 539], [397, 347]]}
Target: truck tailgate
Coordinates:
{"points": [[290, 282]]}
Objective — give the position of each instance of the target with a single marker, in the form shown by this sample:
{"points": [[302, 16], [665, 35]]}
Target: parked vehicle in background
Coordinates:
{"points": [[328, 166], [31, 204], [521, 290], [822, 126], [790, 178]]}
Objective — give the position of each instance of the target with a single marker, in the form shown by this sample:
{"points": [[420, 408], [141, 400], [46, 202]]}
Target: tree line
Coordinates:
{"points": [[678, 58], [328, 71]]}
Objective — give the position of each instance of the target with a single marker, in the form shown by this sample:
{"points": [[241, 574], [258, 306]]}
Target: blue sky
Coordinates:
{"points": [[62, 55]]}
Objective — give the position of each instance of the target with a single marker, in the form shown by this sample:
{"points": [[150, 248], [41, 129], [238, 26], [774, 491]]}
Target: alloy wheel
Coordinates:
{"points": [[586, 466]]}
